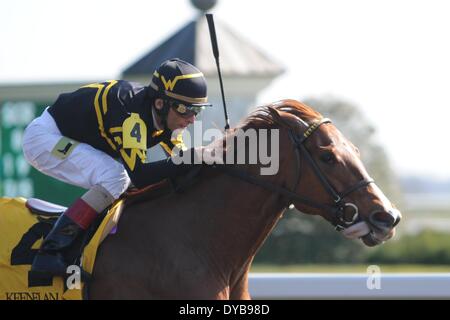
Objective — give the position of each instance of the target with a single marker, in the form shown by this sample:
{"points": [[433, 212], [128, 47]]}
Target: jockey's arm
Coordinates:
{"points": [[145, 174]]}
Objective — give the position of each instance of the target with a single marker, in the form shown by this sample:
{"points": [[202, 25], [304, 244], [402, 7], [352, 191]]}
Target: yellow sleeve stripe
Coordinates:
{"points": [[93, 85], [115, 130], [100, 117], [166, 147], [105, 95], [98, 111]]}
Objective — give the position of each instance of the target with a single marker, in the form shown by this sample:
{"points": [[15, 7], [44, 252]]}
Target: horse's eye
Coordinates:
{"points": [[328, 157]]}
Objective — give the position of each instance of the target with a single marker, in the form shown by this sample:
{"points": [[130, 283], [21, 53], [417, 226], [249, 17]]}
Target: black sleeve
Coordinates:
{"points": [[145, 174]]}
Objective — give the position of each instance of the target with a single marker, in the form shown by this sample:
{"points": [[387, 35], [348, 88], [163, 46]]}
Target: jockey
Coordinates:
{"points": [[97, 137]]}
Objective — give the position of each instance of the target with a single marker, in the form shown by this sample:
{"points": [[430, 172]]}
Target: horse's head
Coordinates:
{"points": [[332, 180]]}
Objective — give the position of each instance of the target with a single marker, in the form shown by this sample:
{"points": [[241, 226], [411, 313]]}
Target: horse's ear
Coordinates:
{"points": [[288, 119], [275, 114]]}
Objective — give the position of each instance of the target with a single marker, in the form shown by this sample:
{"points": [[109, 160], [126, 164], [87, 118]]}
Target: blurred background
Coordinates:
{"points": [[379, 69]]}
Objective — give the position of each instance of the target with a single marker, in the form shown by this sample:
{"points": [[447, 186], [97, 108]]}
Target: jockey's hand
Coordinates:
{"points": [[209, 155]]}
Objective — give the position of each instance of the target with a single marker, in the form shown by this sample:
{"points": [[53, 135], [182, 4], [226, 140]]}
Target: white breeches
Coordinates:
{"points": [[84, 167]]}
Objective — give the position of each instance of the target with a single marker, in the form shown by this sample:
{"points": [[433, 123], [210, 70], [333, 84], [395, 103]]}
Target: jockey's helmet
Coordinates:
{"points": [[181, 85]]}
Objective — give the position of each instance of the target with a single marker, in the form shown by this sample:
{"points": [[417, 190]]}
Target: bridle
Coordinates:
{"points": [[337, 210], [339, 205]]}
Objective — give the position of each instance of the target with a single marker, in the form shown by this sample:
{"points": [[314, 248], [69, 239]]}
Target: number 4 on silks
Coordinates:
{"points": [[134, 133]]}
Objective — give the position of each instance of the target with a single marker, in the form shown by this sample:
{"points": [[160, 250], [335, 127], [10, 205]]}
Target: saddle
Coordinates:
{"points": [[24, 224], [44, 208]]}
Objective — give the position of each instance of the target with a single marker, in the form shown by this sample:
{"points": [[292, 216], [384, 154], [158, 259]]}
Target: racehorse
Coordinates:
{"points": [[200, 243]]}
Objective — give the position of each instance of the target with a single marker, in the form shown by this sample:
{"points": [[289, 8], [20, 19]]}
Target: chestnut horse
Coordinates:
{"points": [[199, 244]]}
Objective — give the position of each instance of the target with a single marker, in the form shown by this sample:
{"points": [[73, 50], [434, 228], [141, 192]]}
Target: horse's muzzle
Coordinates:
{"points": [[382, 223]]}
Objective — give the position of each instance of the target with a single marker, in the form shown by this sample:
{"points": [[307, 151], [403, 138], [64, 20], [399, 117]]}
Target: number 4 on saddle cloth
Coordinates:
{"points": [[23, 225]]}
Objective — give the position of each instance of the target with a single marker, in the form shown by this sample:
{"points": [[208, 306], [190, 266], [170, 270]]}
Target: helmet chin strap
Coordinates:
{"points": [[162, 114]]}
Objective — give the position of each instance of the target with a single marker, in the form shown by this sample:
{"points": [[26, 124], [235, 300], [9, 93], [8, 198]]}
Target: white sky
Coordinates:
{"points": [[391, 58]]}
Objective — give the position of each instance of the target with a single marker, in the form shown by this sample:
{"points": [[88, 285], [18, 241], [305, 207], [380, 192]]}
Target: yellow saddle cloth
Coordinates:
{"points": [[21, 235]]}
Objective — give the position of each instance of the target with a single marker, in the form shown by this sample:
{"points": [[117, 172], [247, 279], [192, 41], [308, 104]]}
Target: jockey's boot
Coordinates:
{"points": [[70, 226]]}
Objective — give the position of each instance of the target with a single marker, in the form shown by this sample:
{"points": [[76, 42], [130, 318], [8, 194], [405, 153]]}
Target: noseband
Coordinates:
{"points": [[339, 206]]}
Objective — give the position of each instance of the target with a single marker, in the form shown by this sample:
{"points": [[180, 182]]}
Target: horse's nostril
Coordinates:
{"points": [[385, 219]]}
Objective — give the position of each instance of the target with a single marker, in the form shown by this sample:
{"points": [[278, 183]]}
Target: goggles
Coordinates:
{"points": [[186, 111]]}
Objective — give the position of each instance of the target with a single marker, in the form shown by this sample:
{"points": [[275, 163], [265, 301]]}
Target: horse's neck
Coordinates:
{"points": [[243, 213], [248, 215]]}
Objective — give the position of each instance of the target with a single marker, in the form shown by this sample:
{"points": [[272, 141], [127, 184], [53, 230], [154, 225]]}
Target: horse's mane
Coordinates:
{"points": [[263, 117]]}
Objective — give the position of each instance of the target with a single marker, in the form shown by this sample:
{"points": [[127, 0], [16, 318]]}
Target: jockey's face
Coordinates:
{"points": [[174, 120]]}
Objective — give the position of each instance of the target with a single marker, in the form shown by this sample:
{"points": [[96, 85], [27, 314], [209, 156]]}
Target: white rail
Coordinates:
{"points": [[359, 286]]}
